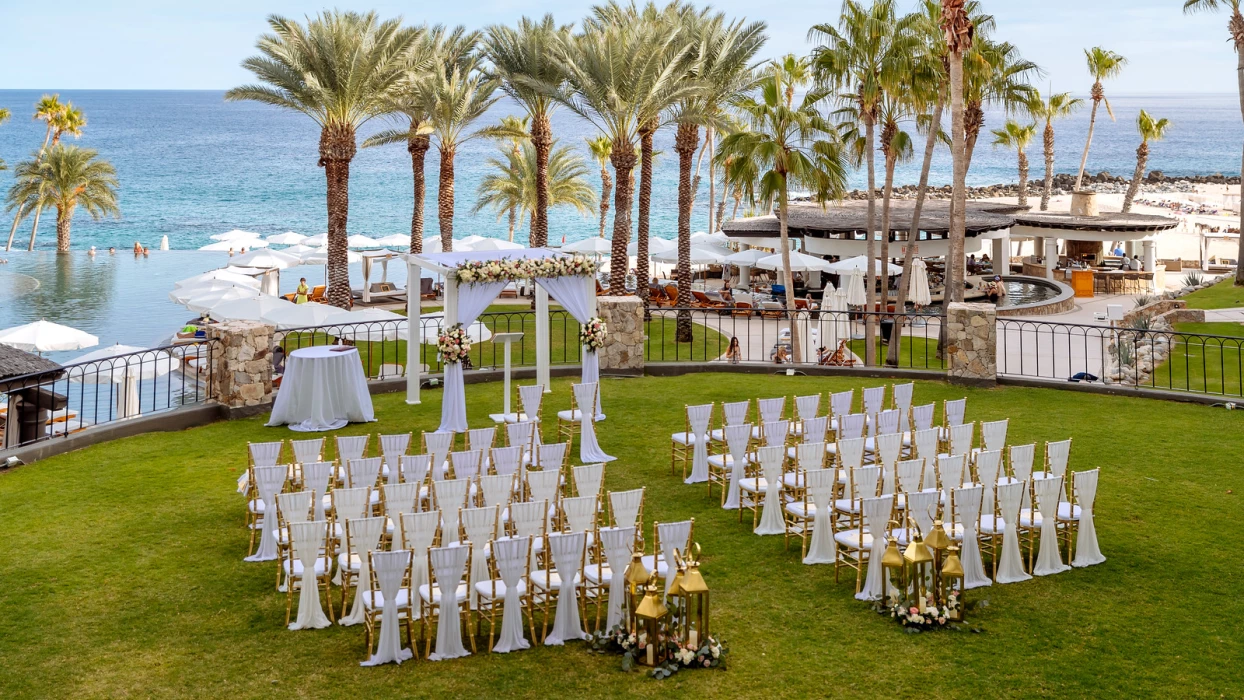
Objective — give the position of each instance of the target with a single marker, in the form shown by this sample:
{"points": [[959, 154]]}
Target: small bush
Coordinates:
{"points": [[1144, 300], [1194, 279]]}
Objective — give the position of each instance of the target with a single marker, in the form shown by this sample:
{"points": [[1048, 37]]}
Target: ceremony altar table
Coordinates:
{"points": [[324, 388]]}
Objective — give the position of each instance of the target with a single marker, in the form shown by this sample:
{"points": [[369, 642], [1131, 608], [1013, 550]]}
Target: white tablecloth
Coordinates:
{"points": [[322, 390]]}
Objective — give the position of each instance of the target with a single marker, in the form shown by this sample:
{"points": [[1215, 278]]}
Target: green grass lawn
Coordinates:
{"points": [[1209, 365], [1224, 295], [124, 572], [913, 353]]}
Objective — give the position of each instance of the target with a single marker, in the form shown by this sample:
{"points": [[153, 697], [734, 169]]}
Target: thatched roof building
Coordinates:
{"points": [[849, 219], [16, 363]]}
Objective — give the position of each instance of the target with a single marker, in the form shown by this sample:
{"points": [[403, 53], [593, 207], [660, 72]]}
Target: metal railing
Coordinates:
{"points": [[59, 402]]}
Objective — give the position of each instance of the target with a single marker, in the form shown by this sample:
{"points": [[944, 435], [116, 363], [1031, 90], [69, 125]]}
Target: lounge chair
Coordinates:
{"points": [[317, 293], [841, 357], [671, 292], [742, 308], [772, 309], [426, 289], [702, 300]]}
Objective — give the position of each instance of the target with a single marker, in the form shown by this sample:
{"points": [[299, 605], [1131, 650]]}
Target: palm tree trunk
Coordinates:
{"points": [[913, 234], [973, 122], [606, 186], [890, 162], [958, 200], [337, 149], [795, 345], [1142, 157], [623, 159], [1089, 141], [445, 200], [1049, 162], [712, 182], [685, 141], [513, 221], [721, 207], [17, 217], [542, 141], [1236, 26], [870, 272], [418, 147], [63, 218], [1023, 179], [34, 228], [645, 204]]}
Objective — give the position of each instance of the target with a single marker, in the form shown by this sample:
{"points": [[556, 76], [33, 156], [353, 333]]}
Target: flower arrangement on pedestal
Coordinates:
{"points": [[453, 345], [593, 333], [508, 270]]}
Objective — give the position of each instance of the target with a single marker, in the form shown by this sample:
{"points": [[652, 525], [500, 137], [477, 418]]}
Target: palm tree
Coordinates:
{"points": [[70, 120], [1102, 65], [405, 104], [1235, 27], [515, 130], [4, 117], [1056, 106], [994, 74], [512, 186], [601, 148], [47, 110], [339, 69], [67, 177], [1017, 137], [788, 146], [1150, 130], [455, 99], [524, 61], [867, 55], [959, 29]]}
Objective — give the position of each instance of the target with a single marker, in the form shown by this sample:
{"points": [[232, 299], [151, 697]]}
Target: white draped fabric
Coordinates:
{"points": [[567, 551], [306, 540], [1011, 564], [698, 417], [530, 396], [675, 536], [438, 444], [969, 503], [625, 506], [820, 485], [737, 437], [771, 521], [364, 537], [418, 533], [448, 565], [390, 570], [472, 300], [393, 447], [263, 454], [480, 525], [307, 450], [589, 449], [619, 544], [450, 496], [1048, 491], [324, 388], [510, 554], [268, 481], [415, 469], [575, 294], [315, 477], [876, 516], [1087, 551]]}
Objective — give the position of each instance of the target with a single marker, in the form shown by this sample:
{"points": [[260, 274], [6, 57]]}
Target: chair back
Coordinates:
{"points": [[901, 395], [775, 433], [497, 489], [265, 454], [293, 507], [625, 507], [1021, 458], [1084, 489], [922, 508], [438, 446], [316, 477], [953, 412], [362, 472], [851, 453], [840, 403], [588, 479], [1010, 496], [988, 468], [908, 474], [351, 447], [466, 464], [306, 541], [400, 498], [851, 425], [505, 460], [950, 469], [735, 412], [530, 518], [450, 497], [480, 525], [531, 397], [308, 450], [815, 429], [810, 455], [415, 468], [1056, 456], [922, 416], [520, 434], [874, 399], [993, 434], [447, 566], [481, 439], [863, 482], [350, 504], [771, 458], [552, 456], [961, 438], [806, 407], [579, 513], [925, 442], [392, 447], [888, 422], [771, 409]]}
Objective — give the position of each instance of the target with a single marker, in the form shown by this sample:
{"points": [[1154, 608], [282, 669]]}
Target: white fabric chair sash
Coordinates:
{"points": [[1087, 551], [625, 507], [968, 500], [391, 568], [888, 422], [448, 565], [588, 478], [589, 449], [265, 454], [961, 438], [902, 394], [567, 550], [876, 519], [392, 447], [950, 470], [993, 433], [418, 534], [505, 459], [350, 447], [531, 396], [922, 416], [889, 446], [737, 437], [908, 473], [1048, 492], [771, 410], [450, 496], [698, 417], [771, 520], [308, 450], [851, 453], [579, 513], [735, 412], [315, 476], [520, 434], [480, 525], [364, 535], [1011, 564], [439, 444], [415, 468], [295, 507], [618, 543], [922, 508], [851, 425], [988, 467], [466, 464], [1021, 461], [530, 520], [511, 556], [840, 403], [675, 536], [925, 442], [350, 504], [497, 489], [268, 481], [954, 411], [1056, 454], [806, 407], [814, 429], [401, 498], [810, 455], [481, 438], [775, 433], [363, 472], [542, 486], [820, 485], [874, 397], [306, 540], [552, 455]]}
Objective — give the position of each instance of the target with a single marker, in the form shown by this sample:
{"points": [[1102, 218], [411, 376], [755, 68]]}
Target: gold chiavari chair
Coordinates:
{"points": [[682, 444], [430, 600], [323, 567], [290, 508], [373, 602], [492, 593]]}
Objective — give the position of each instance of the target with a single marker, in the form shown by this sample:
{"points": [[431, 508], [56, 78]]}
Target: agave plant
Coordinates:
{"points": [[1194, 279], [1145, 300]]}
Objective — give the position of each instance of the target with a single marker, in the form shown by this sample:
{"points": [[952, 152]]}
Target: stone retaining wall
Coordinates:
{"points": [[972, 344], [241, 366], [1183, 316], [624, 342], [1153, 309]]}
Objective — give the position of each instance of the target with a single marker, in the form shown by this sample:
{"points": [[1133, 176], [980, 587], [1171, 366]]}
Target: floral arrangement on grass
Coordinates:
{"points": [[916, 616], [593, 333], [711, 652], [453, 345], [508, 270]]}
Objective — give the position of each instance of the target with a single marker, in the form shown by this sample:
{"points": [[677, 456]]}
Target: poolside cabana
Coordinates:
{"points": [[1086, 235]]}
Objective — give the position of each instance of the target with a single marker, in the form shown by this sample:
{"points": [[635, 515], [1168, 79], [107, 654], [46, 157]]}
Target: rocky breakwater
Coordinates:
{"points": [[1063, 183]]}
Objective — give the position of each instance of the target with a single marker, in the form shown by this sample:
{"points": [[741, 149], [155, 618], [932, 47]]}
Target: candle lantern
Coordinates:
{"points": [[919, 561], [937, 541], [675, 600], [695, 603], [635, 577], [952, 585], [651, 619], [893, 574]]}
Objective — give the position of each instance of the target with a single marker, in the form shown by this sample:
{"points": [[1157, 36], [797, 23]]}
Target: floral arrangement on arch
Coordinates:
{"points": [[593, 333], [711, 652], [508, 269], [453, 345]]}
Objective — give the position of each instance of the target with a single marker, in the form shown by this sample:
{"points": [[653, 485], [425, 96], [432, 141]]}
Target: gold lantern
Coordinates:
{"points": [[952, 584], [636, 577], [651, 619], [695, 603], [675, 601], [893, 574], [919, 562], [938, 541]]}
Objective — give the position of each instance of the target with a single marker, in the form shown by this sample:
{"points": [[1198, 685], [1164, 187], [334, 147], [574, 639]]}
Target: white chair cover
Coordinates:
{"points": [[850, 452], [449, 565], [675, 536], [1011, 564], [466, 464], [1049, 560], [363, 472], [851, 425], [392, 447], [265, 454], [822, 549], [993, 433], [950, 471], [308, 450], [737, 437], [771, 521], [530, 519], [735, 412], [268, 481], [505, 459], [401, 498], [589, 449], [364, 537], [889, 446], [567, 551], [481, 438], [1056, 454], [530, 396], [439, 445], [775, 432], [391, 568], [1021, 461], [888, 422], [497, 489], [968, 500], [625, 507], [954, 411], [771, 410], [922, 508], [922, 416], [415, 468], [814, 429], [588, 478], [315, 476], [698, 417], [876, 519], [841, 402], [619, 544], [806, 407], [306, 540], [350, 447], [961, 438], [511, 555], [579, 512], [551, 456], [988, 468], [902, 394], [810, 455], [473, 298], [908, 473], [480, 525], [520, 435], [450, 495], [418, 534], [295, 507], [925, 442], [874, 397], [1087, 551], [542, 485]]}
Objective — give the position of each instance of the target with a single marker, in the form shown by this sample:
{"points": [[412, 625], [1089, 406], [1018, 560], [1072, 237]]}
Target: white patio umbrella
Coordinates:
{"points": [[386, 325], [855, 288], [398, 239], [235, 235], [834, 321], [226, 246], [655, 245], [319, 256], [45, 336], [163, 242], [747, 258], [594, 245], [224, 274], [496, 244], [203, 303], [432, 244], [700, 255], [287, 238], [180, 295], [298, 249], [249, 309], [359, 241], [430, 328], [860, 262], [299, 315], [266, 259], [799, 262], [918, 291], [467, 241], [317, 240]]}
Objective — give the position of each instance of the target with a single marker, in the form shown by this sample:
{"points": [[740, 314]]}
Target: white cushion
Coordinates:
{"points": [[757, 432], [992, 525], [793, 480], [1066, 511], [546, 580], [484, 588], [651, 564], [350, 562], [514, 417], [846, 505], [683, 438], [572, 416], [753, 485], [851, 539], [717, 435], [434, 596], [256, 506], [322, 566], [598, 574], [1029, 518], [721, 461], [955, 532], [374, 600], [799, 509]]}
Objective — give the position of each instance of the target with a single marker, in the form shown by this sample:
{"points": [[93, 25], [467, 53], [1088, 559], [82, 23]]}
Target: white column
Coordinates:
{"points": [[1038, 246], [999, 257], [542, 338], [1006, 255], [414, 331], [1129, 248], [1150, 249], [1051, 257]]}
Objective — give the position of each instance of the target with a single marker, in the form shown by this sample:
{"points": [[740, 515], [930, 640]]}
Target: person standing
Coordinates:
{"points": [[300, 296]]}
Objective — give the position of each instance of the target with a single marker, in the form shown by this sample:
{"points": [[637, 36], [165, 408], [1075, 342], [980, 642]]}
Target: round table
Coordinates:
{"points": [[323, 388]]}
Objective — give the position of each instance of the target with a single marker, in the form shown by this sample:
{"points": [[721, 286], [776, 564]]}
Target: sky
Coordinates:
{"points": [[197, 45]]}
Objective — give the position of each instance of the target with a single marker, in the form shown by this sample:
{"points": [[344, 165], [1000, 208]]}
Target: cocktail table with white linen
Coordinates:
{"points": [[324, 388]]}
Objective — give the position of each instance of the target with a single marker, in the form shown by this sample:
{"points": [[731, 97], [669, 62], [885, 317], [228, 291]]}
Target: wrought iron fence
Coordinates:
{"points": [[59, 402]]}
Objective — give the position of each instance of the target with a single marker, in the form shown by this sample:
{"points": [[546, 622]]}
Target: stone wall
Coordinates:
{"points": [[972, 344], [241, 366], [624, 342], [1183, 316], [1153, 309]]}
